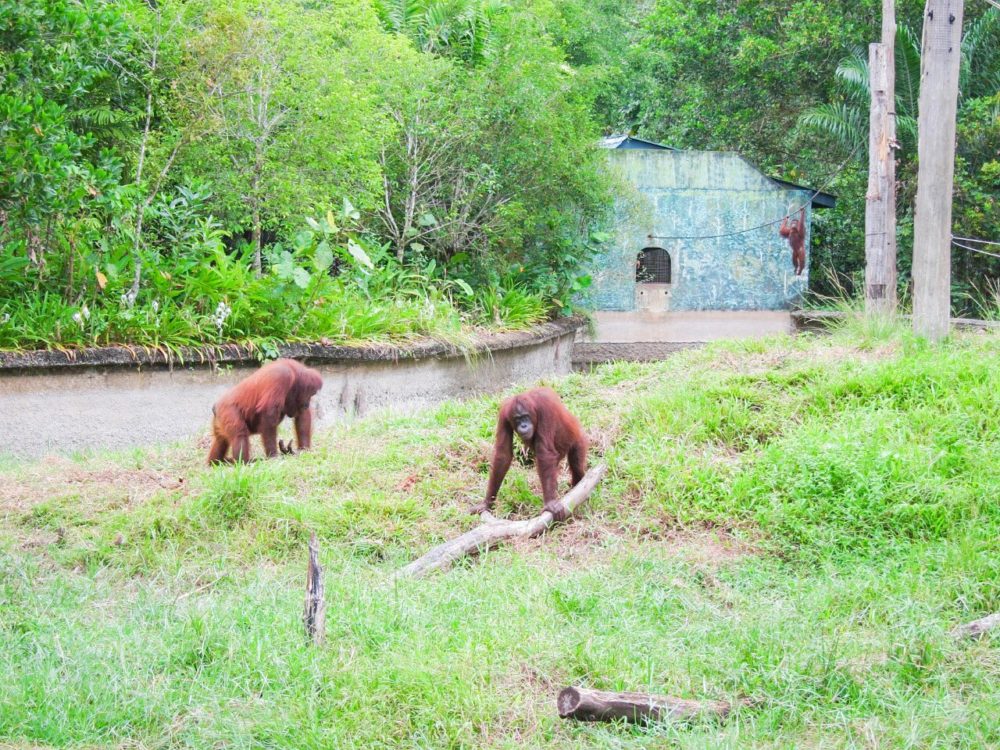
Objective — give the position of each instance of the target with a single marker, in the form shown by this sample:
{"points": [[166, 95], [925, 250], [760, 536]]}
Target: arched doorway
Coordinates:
{"points": [[652, 279], [652, 266]]}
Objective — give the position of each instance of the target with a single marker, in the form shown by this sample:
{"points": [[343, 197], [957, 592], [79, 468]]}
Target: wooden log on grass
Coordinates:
{"points": [[598, 705], [494, 530], [314, 616], [978, 627]]}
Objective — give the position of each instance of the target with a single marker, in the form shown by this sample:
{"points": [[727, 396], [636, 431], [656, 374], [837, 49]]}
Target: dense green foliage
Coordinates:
{"points": [[160, 166], [158, 161], [801, 521]]}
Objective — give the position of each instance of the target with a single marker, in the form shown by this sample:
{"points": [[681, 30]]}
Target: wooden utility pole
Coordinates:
{"points": [[880, 202], [940, 56]]}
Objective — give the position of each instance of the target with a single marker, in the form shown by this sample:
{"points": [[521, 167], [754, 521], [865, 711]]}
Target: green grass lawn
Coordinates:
{"points": [[800, 521]]}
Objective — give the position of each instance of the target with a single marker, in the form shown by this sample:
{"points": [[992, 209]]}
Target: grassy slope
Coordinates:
{"points": [[797, 520]]}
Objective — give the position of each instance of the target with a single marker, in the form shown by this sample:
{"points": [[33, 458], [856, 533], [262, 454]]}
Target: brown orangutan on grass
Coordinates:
{"points": [[547, 428], [256, 406]]}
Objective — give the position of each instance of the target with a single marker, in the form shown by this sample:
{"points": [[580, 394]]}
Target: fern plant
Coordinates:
{"points": [[846, 119]]}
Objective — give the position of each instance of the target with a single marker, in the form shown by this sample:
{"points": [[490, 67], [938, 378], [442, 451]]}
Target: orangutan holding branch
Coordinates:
{"points": [[547, 428]]}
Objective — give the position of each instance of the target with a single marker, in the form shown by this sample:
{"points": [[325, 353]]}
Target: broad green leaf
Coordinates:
{"points": [[301, 277], [313, 223], [303, 239], [461, 284], [350, 212], [284, 268], [324, 256], [358, 253], [427, 219]]}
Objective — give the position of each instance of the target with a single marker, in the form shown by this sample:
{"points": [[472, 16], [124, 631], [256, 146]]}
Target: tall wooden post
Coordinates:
{"points": [[880, 206], [939, 63]]}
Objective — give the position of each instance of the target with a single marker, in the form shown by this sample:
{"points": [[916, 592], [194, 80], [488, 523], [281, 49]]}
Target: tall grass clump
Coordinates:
{"points": [[986, 300], [510, 306], [841, 459]]}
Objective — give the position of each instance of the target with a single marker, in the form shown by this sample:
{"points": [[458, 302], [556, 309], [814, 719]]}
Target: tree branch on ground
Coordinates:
{"points": [[494, 530]]}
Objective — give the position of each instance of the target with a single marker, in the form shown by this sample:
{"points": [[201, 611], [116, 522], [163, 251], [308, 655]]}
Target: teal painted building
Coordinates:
{"points": [[696, 230]]}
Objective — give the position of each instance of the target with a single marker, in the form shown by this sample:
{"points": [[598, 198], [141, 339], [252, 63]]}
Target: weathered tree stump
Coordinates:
{"points": [[598, 705], [314, 616], [494, 530], [976, 628]]}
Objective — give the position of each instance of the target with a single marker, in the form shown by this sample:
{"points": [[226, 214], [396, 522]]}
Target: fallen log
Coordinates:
{"points": [[494, 530], [978, 627], [597, 705]]}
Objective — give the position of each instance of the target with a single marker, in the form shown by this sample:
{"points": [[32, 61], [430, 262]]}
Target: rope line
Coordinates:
{"points": [[973, 239], [974, 249], [809, 201]]}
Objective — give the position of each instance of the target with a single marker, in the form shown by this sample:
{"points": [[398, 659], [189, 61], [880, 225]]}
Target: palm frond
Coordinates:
{"points": [[843, 123], [980, 58], [907, 71], [906, 129], [401, 16], [854, 76], [978, 34], [435, 27], [854, 67], [99, 117]]}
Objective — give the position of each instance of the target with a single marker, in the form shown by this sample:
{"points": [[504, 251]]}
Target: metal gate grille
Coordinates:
{"points": [[653, 266]]}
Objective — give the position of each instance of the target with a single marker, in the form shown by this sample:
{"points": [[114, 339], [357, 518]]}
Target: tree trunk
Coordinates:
{"points": [[597, 705], [880, 206], [133, 292], [256, 237], [314, 617], [940, 58], [494, 531], [255, 198]]}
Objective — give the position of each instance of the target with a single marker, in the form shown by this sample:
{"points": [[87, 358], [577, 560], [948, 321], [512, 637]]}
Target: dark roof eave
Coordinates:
{"points": [[819, 198], [620, 141]]}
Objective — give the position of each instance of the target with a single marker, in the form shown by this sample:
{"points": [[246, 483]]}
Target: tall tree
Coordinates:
{"points": [[290, 132]]}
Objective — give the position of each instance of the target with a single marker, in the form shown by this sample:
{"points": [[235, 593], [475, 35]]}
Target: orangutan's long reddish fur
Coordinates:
{"points": [[557, 435], [279, 389], [796, 235]]}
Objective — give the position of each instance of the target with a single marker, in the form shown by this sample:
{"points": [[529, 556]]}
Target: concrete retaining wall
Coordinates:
{"points": [[54, 402], [586, 354], [821, 320]]}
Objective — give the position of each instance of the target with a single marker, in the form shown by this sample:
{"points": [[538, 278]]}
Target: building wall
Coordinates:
{"points": [[698, 193]]}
